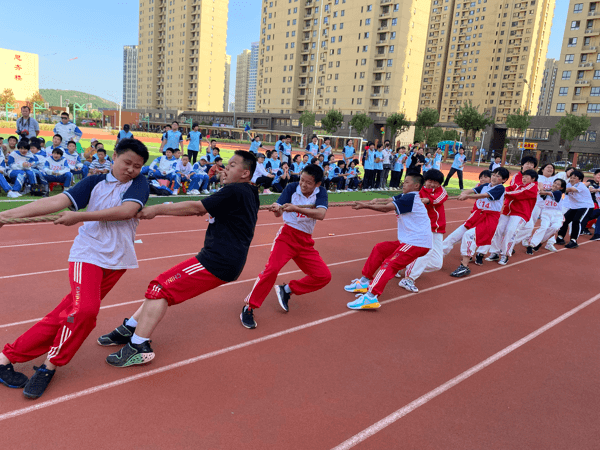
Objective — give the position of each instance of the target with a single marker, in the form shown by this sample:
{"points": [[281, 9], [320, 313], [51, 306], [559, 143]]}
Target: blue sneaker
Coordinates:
{"points": [[357, 286], [364, 302]]}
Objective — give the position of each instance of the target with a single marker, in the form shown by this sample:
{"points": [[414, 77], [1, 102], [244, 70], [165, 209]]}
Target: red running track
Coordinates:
{"points": [[318, 376]]}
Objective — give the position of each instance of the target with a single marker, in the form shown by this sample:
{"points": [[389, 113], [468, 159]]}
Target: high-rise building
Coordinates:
{"points": [[547, 90], [227, 78], [181, 54], [252, 77], [489, 52], [130, 76], [356, 57], [242, 77], [577, 87]]}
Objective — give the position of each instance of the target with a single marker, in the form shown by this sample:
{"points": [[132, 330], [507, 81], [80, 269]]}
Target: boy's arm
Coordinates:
{"points": [[40, 207], [174, 209], [386, 207], [125, 211], [524, 192]]}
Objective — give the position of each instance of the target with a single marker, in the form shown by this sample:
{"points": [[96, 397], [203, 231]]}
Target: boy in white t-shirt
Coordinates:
{"points": [[580, 203]]}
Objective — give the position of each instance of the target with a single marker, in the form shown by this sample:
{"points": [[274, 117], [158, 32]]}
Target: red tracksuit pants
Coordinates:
{"points": [[389, 257], [61, 332], [299, 246]]}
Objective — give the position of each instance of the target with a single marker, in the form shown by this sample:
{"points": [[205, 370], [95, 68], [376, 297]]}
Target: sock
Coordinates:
{"points": [[135, 339], [287, 289], [131, 322], [365, 280]]}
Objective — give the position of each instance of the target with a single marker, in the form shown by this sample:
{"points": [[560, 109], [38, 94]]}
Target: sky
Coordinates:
{"points": [[95, 33]]}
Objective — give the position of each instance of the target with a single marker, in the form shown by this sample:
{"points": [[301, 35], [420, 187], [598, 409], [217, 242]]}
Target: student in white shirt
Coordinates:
{"points": [[580, 203]]}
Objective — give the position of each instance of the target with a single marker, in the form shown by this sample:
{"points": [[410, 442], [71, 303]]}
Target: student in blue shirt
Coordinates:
{"points": [[173, 138], [277, 147], [282, 177], [398, 168], [369, 165], [296, 168], [313, 147], [437, 159], [124, 134], [326, 148], [428, 162], [194, 139], [338, 175], [272, 164], [255, 144], [378, 166], [349, 151], [352, 175], [285, 149], [457, 168]]}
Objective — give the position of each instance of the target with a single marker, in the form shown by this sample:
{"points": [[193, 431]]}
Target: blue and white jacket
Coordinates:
{"points": [[73, 160], [200, 169], [163, 164], [68, 132], [16, 161], [52, 166]]}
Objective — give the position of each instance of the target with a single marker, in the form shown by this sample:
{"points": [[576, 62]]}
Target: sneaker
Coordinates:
{"points": [[13, 194], [537, 247], [493, 257], [283, 297], [560, 241], [572, 244], [193, 192], [503, 260], [595, 237], [38, 383], [267, 191], [357, 286], [10, 378], [119, 336], [551, 248], [205, 192], [132, 355], [529, 250], [479, 259], [462, 271], [408, 284], [399, 274], [364, 302], [247, 317], [586, 232]]}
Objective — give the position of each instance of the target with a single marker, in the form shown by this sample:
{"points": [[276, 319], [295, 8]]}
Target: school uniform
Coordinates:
{"points": [[173, 139], [294, 241], [349, 153], [3, 183], [397, 170], [580, 202], [75, 164], [17, 173], [437, 161], [378, 169], [296, 170], [100, 255], [285, 152], [279, 183], [326, 151], [58, 171], [195, 137], [124, 135], [457, 168], [525, 233], [254, 146], [313, 149], [551, 219], [163, 168], [352, 178], [272, 165], [369, 165]]}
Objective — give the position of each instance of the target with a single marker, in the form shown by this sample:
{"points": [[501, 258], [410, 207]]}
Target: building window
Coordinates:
{"points": [[560, 107], [575, 24], [574, 107], [569, 59], [563, 91], [578, 8], [596, 74], [595, 92], [572, 42], [593, 108]]}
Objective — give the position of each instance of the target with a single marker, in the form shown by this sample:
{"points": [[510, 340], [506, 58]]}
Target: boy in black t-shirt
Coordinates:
{"points": [[233, 212]]}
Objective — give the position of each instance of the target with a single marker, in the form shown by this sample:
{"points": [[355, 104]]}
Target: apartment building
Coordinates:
{"points": [[242, 78], [491, 52], [227, 78], [253, 71], [181, 54], [547, 91], [356, 57], [130, 76], [578, 78]]}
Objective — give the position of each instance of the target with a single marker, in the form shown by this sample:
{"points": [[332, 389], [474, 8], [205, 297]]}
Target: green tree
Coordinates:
{"points": [[7, 96], [433, 135], [450, 135], [570, 127], [471, 120], [426, 119], [332, 121], [419, 135], [360, 123], [397, 123], [519, 122], [307, 118]]}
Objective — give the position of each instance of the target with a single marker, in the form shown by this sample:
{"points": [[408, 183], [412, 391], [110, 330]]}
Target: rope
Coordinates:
{"points": [[49, 218]]}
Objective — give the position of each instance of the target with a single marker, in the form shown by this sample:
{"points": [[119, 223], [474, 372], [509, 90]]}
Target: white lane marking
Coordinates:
{"points": [[398, 414], [102, 387]]}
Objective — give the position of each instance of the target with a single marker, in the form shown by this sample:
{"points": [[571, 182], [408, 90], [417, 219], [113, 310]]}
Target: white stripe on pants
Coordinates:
{"points": [[551, 221], [432, 261], [506, 234]]}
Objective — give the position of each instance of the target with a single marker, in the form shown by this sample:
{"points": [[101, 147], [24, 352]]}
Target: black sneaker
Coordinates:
{"points": [[283, 297], [503, 260], [537, 247], [10, 378], [119, 336], [493, 257], [479, 259], [560, 241], [595, 237], [462, 271], [530, 250], [247, 317], [572, 244], [513, 252], [132, 355], [38, 383], [586, 232]]}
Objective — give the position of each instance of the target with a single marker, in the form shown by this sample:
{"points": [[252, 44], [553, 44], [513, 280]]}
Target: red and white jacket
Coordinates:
{"points": [[520, 200], [435, 208]]}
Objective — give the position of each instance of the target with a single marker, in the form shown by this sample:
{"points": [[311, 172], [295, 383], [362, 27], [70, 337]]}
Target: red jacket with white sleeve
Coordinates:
{"points": [[520, 200], [435, 208]]}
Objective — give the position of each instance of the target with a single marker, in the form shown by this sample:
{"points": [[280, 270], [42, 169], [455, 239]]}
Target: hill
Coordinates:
{"points": [[52, 96]]}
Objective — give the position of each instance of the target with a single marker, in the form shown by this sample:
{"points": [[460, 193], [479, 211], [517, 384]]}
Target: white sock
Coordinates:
{"points": [[135, 339], [365, 280], [287, 289], [131, 322]]}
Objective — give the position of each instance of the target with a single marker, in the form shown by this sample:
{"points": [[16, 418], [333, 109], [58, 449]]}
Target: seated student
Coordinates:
{"points": [[272, 163], [35, 147], [352, 177], [3, 183], [261, 177], [321, 161], [477, 232], [312, 148], [215, 174], [551, 214], [326, 149], [215, 153], [326, 180], [282, 178], [89, 152], [163, 167], [199, 184], [12, 146], [77, 167], [183, 170], [337, 175], [100, 146], [101, 165], [580, 202], [57, 169], [497, 162], [296, 168], [19, 166], [177, 154]]}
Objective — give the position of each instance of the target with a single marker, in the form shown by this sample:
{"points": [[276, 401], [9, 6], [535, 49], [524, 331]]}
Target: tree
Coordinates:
{"points": [[307, 119], [332, 121], [570, 127], [450, 135], [518, 122], [360, 123], [471, 120], [397, 123], [7, 96], [36, 97], [419, 135], [433, 135], [426, 119]]}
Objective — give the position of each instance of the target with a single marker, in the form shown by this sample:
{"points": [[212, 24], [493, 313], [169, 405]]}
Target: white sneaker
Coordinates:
{"points": [[13, 194], [205, 192], [399, 274], [176, 192], [408, 284], [193, 192], [551, 248]]}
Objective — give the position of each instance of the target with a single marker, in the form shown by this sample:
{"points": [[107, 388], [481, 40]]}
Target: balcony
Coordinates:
{"points": [[384, 15], [384, 42], [379, 69], [385, 28], [583, 82], [586, 66], [383, 2], [373, 95], [594, 14], [580, 99], [589, 49], [592, 32], [377, 82]]}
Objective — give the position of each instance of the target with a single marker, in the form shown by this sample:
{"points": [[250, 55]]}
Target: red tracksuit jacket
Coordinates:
{"points": [[520, 200], [435, 208]]}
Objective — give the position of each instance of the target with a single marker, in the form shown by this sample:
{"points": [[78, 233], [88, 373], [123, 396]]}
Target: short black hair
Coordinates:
{"points": [[249, 160], [529, 158], [134, 145], [326, 139], [56, 135], [296, 158], [194, 125], [218, 158], [341, 163], [541, 171], [15, 138], [534, 175], [313, 160], [379, 145], [185, 155], [578, 174], [596, 172], [23, 144], [99, 143], [503, 172], [288, 136], [213, 140], [315, 171], [418, 178], [72, 142], [348, 140], [35, 142], [64, 113], [314, 136], [58, 150], [434, 175], [103, 151], [217, 149], [172, 150], [175, 122], [563, 184], [485, 173]]}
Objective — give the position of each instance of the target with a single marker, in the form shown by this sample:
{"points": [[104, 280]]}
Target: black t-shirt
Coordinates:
{"points": [[594, 185], [233, 214]]}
